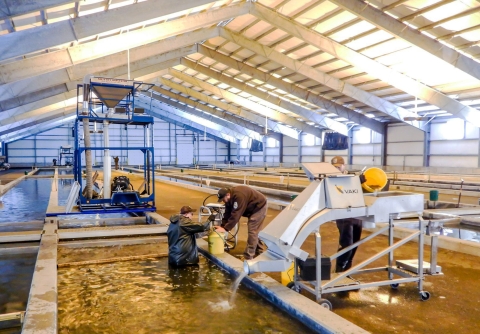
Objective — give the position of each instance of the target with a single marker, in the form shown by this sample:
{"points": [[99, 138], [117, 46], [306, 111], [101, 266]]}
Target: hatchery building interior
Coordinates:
{"points": [[239, 166]]}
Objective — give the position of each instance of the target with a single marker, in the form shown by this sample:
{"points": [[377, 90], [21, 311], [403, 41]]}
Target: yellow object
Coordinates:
{"points": [[216, 243], [376, 180], [287, 275]]}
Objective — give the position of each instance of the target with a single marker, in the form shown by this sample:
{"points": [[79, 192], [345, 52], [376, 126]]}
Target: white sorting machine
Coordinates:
{"points": [[332, 195]]}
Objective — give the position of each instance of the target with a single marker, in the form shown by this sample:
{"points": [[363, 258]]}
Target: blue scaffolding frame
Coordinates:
{"points": [[105, 94]]}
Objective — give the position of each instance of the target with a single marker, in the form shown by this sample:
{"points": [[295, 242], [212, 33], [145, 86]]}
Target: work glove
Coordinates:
{"points": [[212, 217], [363, 179]]}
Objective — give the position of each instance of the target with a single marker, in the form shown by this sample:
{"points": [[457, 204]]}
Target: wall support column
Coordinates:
{"points": [[264, 140], [300, 146], [383, 148], [350, 151], [35, 150], [280, 150], [426, 146], [238, 149], [228, 152]]}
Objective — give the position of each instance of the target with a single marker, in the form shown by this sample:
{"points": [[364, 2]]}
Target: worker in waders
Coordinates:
{"points": [[182, 244]]}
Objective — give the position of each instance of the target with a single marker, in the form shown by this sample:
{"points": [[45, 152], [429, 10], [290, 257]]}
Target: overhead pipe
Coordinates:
{"points": [[86, 132]]}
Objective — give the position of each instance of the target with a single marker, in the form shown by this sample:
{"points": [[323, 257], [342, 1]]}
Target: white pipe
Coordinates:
{"points": [[86, 137], [107, 165], [266, 262]]}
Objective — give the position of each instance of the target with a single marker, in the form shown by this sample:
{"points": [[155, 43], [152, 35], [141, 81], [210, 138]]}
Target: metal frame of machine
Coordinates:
{"points": [[231, 237], [410, 271], [332, 195], [112, 101], [66, 156]]}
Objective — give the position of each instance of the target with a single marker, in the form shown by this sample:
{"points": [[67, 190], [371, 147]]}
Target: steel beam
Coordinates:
{"points": [[156, 111], [33, 123], [253, 117], [210, 122], [319, 76], [49, 109], [208, 116], [68, 69], [214, 111], [272, 101], [39, 114], [33, 130], [400, 30], [301, 93], [40, 107], [257, 108], [63, 32], [371, 67], [141, 71], [10, 8]]}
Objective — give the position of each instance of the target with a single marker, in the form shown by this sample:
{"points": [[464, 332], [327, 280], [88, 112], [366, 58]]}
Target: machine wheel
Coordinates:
{"points": [[292, 286], [394, 286], [424, 295], [325, 303]]}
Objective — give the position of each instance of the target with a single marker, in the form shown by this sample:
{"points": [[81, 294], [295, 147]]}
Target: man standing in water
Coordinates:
{"points": [[182, 245]]}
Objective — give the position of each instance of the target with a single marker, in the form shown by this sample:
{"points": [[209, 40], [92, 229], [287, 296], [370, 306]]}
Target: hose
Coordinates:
{"points": [[230, 236], [208, 198]]}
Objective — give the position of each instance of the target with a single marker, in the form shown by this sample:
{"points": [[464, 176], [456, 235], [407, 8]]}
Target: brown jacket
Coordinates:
{"points": [[244, 201]]}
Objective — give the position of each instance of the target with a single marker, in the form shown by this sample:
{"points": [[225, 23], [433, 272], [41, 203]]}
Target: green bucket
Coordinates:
{"points": [[434, 195], [293, 197], [26, 173]]}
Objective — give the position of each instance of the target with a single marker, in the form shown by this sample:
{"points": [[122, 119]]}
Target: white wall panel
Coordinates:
{"points": [[366, 149], [365, 136], [20, 160], [452, 129], [366, 160], [453, 161], [290, 151], [413, 148], [311, 158], [415, 161], [27, 143], [289, 141], [454, 147], [400, 133], [290, 159], [471, 131], [311, 150], [21, 152], [272, 151]]}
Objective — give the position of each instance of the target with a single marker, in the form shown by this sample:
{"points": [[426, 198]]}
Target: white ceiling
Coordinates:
{"points": [[309, 65]]}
